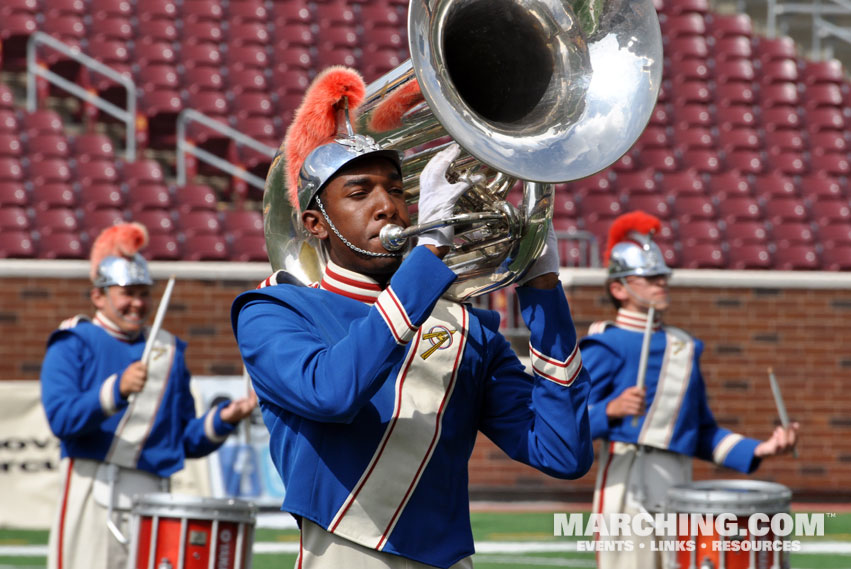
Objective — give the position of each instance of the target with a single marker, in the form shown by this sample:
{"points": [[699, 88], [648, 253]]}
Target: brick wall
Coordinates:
{"points": [[803, 334]]}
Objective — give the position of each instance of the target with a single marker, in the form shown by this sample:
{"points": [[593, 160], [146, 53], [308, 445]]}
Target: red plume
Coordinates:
{"points": [[638, 221], [315, 121], [122, 240], [388, 114]]}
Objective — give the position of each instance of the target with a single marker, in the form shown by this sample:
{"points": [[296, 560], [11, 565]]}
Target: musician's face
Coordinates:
{"points": [[361, 200], [125, 306], [641, 292]]}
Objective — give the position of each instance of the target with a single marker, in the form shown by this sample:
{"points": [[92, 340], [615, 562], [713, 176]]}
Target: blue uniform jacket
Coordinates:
{"points": [[612, 358], [324, 367], [78, 362]]}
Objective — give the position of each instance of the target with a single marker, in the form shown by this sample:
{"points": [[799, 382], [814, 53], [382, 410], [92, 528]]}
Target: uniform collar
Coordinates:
{"points": [[636, 321], [112, 328], [349, 284]]}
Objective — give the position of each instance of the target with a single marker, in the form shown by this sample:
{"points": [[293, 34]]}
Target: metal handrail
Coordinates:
{"points": [[127, 116], [185, 147], [825, 29]]}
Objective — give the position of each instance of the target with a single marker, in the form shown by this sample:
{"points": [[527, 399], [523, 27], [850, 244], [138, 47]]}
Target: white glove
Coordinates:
{"points": [[438, 196], [547, 261]]}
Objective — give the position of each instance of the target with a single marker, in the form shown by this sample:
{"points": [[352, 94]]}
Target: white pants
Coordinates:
{"points": [[629, 482], [79, 538], [320, 549]]}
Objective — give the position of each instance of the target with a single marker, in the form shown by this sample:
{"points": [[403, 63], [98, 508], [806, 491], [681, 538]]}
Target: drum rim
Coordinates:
{"points": [[166, 505], [740, 497]]}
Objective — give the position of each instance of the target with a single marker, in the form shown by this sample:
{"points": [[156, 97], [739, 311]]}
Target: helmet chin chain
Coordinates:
{"points": [[646, 302], [345, 241]]}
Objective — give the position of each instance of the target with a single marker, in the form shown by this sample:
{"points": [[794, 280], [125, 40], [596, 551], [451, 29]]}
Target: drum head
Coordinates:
{"points": [[740, 497], [194, 507]]}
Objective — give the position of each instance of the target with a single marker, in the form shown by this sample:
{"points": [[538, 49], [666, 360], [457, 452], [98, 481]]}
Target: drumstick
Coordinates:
{"points": [[158, 320], [781, 408], [645, 351]]}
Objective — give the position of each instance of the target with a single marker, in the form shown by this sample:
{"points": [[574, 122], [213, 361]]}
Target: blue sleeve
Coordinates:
{"points": [[293, 366], [542, 420], [717, 444], [71, 409], [603, 365]]}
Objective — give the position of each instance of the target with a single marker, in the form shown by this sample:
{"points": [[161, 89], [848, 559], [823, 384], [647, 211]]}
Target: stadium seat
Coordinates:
{"points": [[47, 146], [140, 172], [48, 221], [819, 186], [14, 34], [773, 185], [11, 169], [16, 244], [600, 182], [148, 196], [599, 206], [735, 209], [111, 7], [653, 204], [160, 109], [693, 137], [831, 164], [201, 78], [683, 25], [248, 249], [293, 12], [241, 12], [242, 56], [14, 218], [680, 183], [247, 80], [729, 184], [327, 57], [95, 221], [95, 171], [7, 98], [205, 248], [109, 51], [738, 139], [770, 49], [158, 221], [162, 247], [149, 52], [158, 76], [200, 55], [199, 222], [379, 15], [823, 72], [732, 48], [101, 195], [792, 233], [202, 31], [195, 197], [92, 146], [692, 232], [157, 29], [659, 159], [796, 258], [734, 71], [238, 223], [113, 27], [835, 233], [662, 115], [688, 47], [41, 121], [781, 210], [60, 245], [749, 257], [692, 207], [824, 118], [8, 122], [653, 137], [790, 163], [734, 116], [198, 10], [45, 170], [826, 211], [53, 195], [734, 94], [729, 25], [10, 145], [778, 95], [692, 115], [334, 37], [777, 71], [252, 104], [746, 232], [778, 118], [637, 182], [822, 95], [783, 140], [702, 256], [828, 141], [837, 258], [13, 194], [702, 160]]}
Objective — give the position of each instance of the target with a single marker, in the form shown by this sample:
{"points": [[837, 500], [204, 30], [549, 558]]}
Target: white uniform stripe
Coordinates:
{"points": [[106, 395], [395, 317], [562, 372], [670, 390], [137, 421], [424, 386], [724, 446]]}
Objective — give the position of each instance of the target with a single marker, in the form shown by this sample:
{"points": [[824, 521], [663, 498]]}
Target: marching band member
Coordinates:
{"points": [[124, 426], [373, 387], [651, 433]]}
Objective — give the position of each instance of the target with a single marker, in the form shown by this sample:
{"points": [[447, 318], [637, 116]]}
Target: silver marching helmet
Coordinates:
{"points": [[123, 271], [639, 256]]}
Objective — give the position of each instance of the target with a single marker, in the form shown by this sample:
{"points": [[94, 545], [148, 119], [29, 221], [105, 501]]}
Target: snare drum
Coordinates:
{"points": [[726, 507], [173, 531]]}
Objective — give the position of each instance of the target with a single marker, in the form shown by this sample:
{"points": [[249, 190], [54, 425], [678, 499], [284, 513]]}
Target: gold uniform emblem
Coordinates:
{"points": [[440, 338]]}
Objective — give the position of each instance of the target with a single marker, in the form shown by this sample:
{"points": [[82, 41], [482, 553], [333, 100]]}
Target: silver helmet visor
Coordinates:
{"points": [[642, 258], [121, 271]]}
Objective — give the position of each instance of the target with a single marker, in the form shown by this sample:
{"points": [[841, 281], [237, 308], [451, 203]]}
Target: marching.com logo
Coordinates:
{"points": [[681, 532]]}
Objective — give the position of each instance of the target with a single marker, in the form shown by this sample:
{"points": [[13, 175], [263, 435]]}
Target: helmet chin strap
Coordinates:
{"points": [[346, 242], [645, 302]]}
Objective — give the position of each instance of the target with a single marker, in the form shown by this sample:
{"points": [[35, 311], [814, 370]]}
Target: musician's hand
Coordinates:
{"points": [[781, 441], [238, 409], [629, 403], [133, 379], [543, 273], [438, 196]]}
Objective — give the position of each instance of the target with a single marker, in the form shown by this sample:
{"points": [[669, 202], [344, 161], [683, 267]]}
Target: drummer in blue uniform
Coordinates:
{"points": [[651, 433]]}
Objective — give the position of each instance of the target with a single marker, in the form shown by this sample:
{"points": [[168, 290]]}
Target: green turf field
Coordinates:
{"points": [[530, 530]]}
